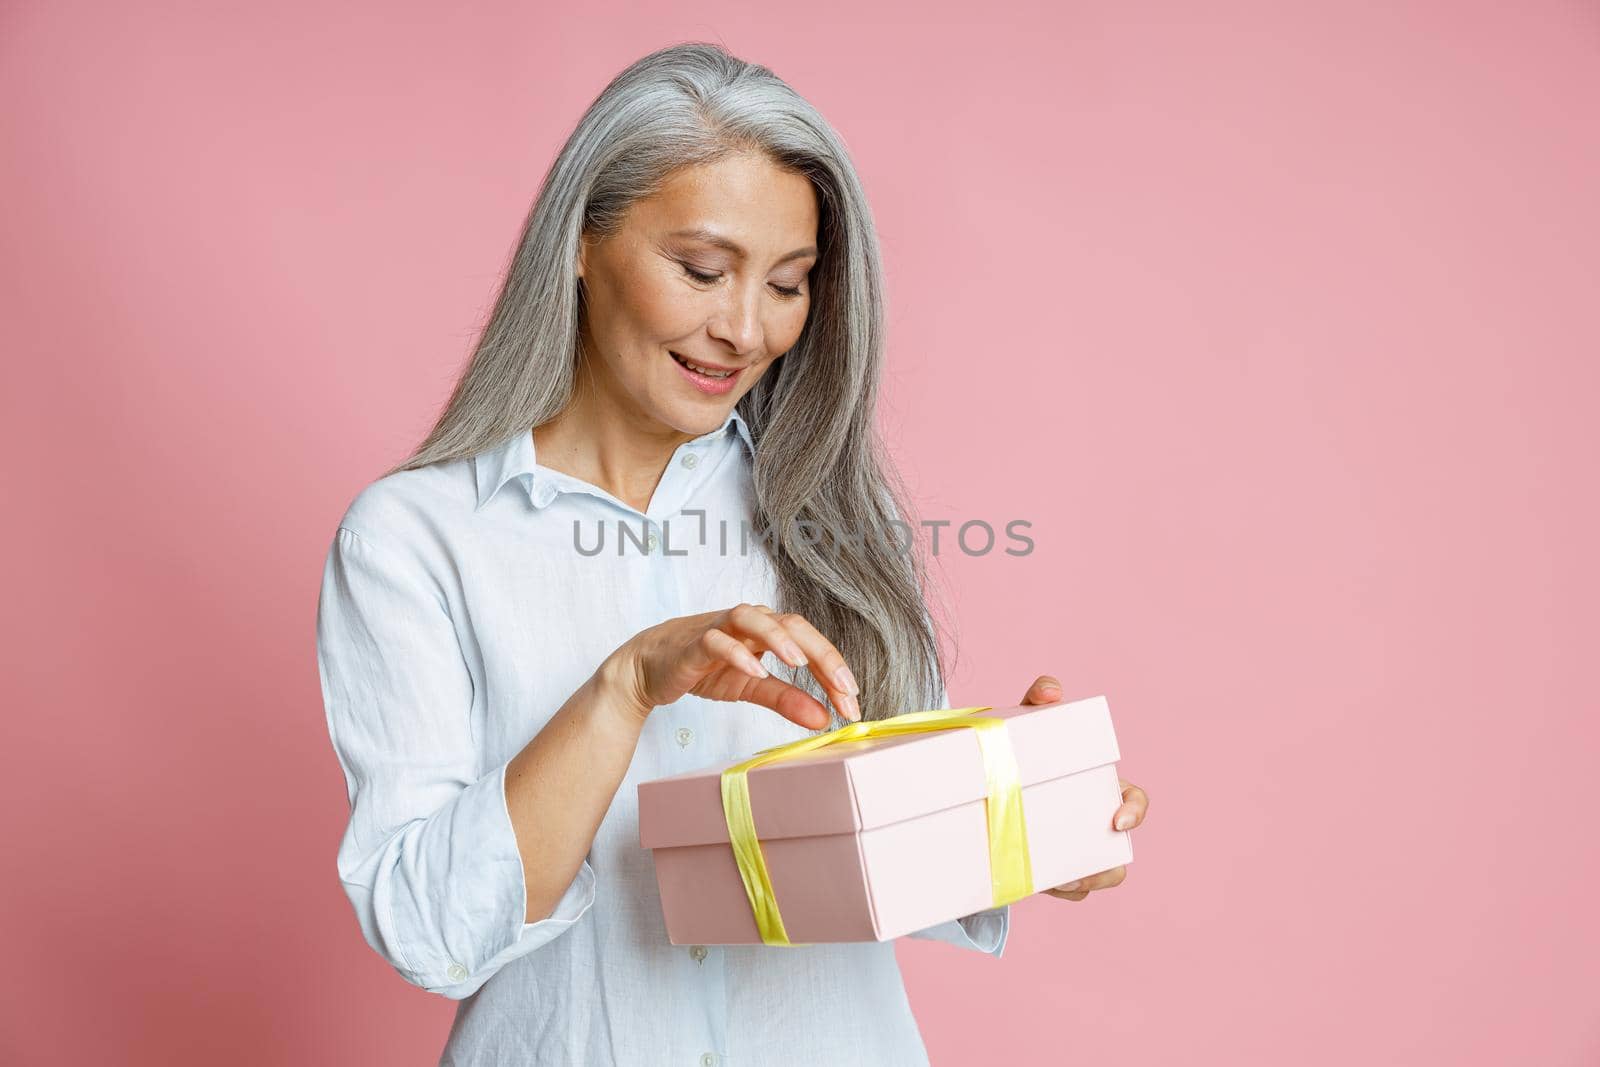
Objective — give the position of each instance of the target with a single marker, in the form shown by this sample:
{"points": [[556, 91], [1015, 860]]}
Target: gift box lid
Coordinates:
{"points": [[857, 785]]}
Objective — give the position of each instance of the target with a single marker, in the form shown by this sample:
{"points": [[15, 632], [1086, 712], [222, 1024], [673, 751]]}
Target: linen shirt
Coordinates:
{"points": [[462, 603]]}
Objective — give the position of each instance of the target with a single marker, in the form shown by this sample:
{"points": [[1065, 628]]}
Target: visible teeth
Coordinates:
{"points": [[708, 372]]}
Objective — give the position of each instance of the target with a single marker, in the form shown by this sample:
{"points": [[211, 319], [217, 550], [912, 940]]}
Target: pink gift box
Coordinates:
{"points": [[872, 839]]}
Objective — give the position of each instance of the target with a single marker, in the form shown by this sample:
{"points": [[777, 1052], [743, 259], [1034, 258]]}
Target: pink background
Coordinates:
{"points": [[1279, 327]]}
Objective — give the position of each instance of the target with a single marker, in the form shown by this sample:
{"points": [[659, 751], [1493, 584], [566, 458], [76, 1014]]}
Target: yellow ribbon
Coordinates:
{"points": [[1010, 873]]}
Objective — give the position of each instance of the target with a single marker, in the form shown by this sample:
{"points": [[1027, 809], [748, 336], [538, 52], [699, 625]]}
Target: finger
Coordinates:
{"points": [[758, 646], [707, 652], [823, 659], [760, 629], [794, 704], [1067, 896], [805, 647], [721, 647], [751, 620], [826, 662], [1081, 887], [1104, 879], [1046, 690], [1131, 812]]}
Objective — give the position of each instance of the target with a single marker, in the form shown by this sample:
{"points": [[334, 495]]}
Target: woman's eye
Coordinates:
{"points": [[786, 291], [696, 275]]}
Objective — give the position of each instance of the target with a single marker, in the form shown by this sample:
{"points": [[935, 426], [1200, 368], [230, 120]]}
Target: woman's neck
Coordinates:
{"points": [[596, 440]]}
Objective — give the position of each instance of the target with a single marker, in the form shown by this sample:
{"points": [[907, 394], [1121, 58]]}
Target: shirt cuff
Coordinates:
{"points": [[501, 900], [982, 931], [578, 898]]}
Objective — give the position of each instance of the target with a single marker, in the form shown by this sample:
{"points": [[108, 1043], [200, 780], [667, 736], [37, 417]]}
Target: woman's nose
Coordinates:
{"points": [[738, 320]]}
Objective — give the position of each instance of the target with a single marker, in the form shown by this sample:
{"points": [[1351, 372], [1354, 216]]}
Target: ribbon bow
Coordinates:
{"points": [[1010, 873]]}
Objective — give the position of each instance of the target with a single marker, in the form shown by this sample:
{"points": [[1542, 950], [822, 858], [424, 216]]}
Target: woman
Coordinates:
{"points": [[571, 586]]}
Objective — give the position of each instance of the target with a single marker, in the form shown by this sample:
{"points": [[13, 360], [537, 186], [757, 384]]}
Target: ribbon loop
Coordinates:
{"points": [[1010, 873]]}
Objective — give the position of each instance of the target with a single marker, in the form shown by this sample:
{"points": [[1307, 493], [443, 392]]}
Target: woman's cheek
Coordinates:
{"points": [[791, 330]]}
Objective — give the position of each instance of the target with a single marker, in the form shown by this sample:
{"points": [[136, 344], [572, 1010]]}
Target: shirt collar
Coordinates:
{"points": [[515, 458]]}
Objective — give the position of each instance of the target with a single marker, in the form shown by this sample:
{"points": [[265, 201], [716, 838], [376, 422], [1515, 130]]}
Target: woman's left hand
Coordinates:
{"points": [[1130, 814]]}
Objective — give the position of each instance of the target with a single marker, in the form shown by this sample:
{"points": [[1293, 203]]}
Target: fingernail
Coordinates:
{"points": [[753, 665], [851, 709], [1124, 820], [846, 681], [792, 651], [1071, 886]]}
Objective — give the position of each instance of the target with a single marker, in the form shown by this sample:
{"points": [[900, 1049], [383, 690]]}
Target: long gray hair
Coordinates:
{"points": [[820, 464]]}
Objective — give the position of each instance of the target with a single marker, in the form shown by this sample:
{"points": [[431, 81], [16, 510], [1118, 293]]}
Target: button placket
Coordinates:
{"points": [[715, 986]]}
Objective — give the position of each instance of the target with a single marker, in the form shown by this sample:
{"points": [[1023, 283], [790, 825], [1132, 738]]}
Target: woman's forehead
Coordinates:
{"points": [[747, 209]]}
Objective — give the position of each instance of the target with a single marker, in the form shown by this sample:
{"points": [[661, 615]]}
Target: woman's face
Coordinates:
{"points": [[712, 270]]}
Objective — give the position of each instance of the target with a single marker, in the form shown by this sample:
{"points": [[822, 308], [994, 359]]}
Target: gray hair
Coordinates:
{"points": [[819, 458]]}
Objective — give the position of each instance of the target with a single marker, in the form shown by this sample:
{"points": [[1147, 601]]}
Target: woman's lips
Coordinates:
{"points": [[705, 383]]}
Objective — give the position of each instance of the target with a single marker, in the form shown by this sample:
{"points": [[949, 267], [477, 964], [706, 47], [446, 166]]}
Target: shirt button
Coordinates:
{"points": [[651, 542], [699, 953], [685, 735], [708, 1060], [690, 459], [456, 972]]}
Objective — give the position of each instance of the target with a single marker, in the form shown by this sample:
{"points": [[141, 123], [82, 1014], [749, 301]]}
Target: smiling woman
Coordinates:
{"points": [[703, 213], [721, 299], [692, 325]]}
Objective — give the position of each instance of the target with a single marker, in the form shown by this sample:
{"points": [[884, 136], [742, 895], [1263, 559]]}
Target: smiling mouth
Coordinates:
{"points": [[708, 372]]}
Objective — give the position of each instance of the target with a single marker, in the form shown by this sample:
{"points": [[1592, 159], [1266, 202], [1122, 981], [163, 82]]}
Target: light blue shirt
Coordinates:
{"points": [[461, 605]]}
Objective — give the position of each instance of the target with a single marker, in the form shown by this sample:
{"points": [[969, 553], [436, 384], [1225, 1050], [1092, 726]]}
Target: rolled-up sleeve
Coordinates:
{"points": [[429, 859], [982, 931]]}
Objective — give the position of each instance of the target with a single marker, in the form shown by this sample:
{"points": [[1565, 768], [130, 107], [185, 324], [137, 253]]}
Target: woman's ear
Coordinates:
{"points": [[588, 243]]}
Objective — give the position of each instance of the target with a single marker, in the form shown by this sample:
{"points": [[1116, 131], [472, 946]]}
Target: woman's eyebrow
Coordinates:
{"points": [[711, 237]]}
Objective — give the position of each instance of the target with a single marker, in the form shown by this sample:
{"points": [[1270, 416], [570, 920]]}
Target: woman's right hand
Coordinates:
{"points": [[716, 655]]}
